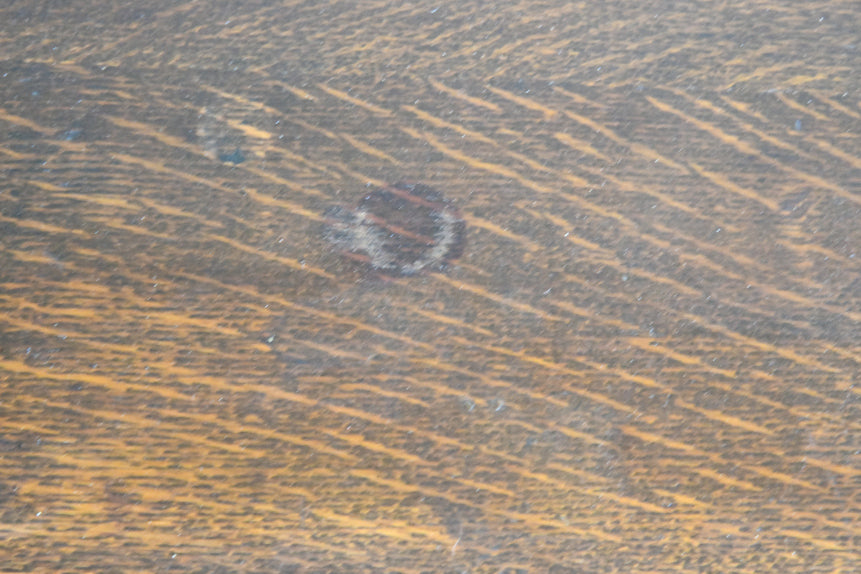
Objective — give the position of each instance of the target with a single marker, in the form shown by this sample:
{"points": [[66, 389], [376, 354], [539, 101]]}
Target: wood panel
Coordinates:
{"points": [[645, 360]]}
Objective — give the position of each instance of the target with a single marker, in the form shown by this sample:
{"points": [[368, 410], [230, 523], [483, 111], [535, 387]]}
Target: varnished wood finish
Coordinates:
{"points": [[645, 360]]}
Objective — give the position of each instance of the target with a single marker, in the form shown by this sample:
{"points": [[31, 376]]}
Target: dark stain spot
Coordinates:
{"points": [[400, 229]]}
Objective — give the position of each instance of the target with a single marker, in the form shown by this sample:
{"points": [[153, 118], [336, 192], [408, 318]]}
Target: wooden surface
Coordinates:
{"points": [[645, 361]]}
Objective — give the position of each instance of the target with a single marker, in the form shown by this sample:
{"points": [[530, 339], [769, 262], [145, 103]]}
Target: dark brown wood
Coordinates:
{"points": [[645, 360]]}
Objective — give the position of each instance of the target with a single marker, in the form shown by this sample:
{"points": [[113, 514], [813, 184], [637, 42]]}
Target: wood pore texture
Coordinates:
{"points": [[646, 359]]}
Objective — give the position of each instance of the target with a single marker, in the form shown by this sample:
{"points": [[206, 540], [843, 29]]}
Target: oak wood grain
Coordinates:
{"points": [[646, 359]]}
